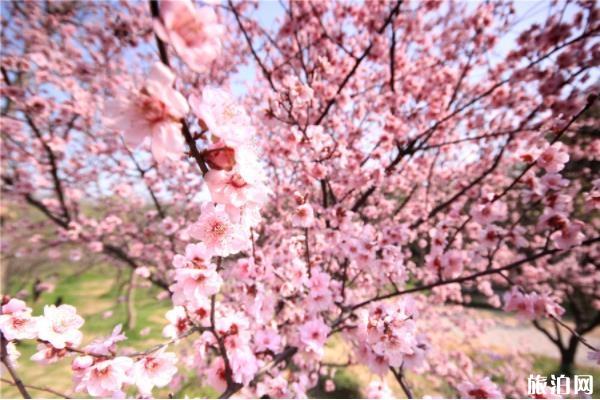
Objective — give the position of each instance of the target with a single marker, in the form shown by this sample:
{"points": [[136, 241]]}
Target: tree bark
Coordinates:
{"points": [[567, 356]]}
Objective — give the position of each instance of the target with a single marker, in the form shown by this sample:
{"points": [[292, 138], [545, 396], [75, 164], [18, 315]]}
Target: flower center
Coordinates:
{"points": [[478, 394], [102, 372], [154, 110], [237, 181], [218, 229]]}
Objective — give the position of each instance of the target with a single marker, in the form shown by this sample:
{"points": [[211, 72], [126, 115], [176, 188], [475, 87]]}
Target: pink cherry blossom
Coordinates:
{"points": [[329, 385], [303, 216], [216, 230], [554, 181], [231, 188], [154, 370], [244, 365], [482, 388], [378, 389], [523, 304], [368, 180], [313, 335], [154, 111], [267, 339], [197, 255], [14, 305], [194, 33], [531, 305], [569, 236], [60, 326], [107, 345], [19, 325], [47, 354], [389, 331], [194, 284], [106, 378], [553, 158], [223, 116], [179, 322], [215, 376]]}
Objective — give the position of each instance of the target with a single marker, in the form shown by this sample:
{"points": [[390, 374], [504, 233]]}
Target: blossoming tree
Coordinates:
{"points": [[390, 164]]}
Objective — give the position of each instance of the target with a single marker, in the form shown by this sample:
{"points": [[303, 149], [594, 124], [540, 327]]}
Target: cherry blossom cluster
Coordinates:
{"points": [[388, 337], [96, 368], [236, 180], [565, 232], [531, 305], [387, 159]]}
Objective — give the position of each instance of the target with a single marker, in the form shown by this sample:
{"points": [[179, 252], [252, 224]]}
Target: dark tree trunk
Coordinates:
{"points": [[567, 357]]}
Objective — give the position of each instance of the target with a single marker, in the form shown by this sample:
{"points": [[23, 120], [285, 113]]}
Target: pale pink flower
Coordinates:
{"points": [[523, 304], [487, 212], [14, 305], [244, 365], [453, 263], [299, 93], [553, 181], [267, 339], [303, 216], [178, 323], [490, 236], [19, 325], [448, 264], [223, 116], [389, 331], [416, 360], [44, 287], [231, 188], [379, 390], [155, 111], [13, 353], [569, 236], [275, 388], [195, 34], [108, 344], [96, 247], [47, 354], [106, 378], [60, 326], [144, 272], [79, 368], [193, 284], [482, 388], [545, 306], [217, 231], [156, 369], [329, 385], [313, 334], [215, 376], [553, 220], [554, 158], [197, 255]]}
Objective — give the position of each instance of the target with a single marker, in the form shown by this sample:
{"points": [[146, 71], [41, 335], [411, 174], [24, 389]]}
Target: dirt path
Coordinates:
{"points": [[510, 331]]}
